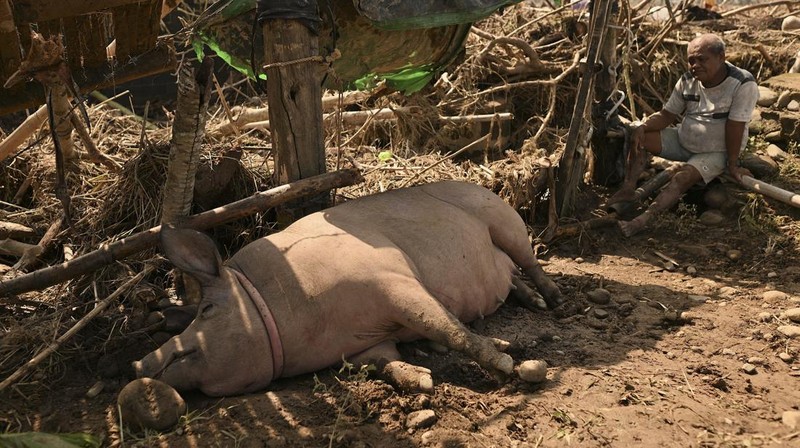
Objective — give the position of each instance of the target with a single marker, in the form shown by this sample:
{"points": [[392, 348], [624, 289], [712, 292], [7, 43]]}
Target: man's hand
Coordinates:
{"points": [[737, 172]]}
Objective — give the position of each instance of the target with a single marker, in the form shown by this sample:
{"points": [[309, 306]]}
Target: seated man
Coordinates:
{"points": [[716, 99]]}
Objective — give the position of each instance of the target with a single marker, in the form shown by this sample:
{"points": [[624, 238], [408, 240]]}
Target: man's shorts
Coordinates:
{"points": [[709, 164]]}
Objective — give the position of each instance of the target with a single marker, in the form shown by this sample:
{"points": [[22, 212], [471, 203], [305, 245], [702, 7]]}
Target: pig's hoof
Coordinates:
{"points": [[408, 377], [150, 404], [505, 364]]}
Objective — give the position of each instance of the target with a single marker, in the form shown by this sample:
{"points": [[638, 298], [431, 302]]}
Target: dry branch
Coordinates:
{"points": [[118, 250], [14, 230], [31, 124]]}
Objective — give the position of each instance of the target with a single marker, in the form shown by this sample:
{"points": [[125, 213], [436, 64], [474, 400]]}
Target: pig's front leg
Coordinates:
{"points": [[392, 369], [420, 312]]}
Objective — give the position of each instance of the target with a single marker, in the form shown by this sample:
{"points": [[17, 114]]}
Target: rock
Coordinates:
{"points": [[791, 419], [578, 260], [785, 357], [712, 218], [691, 270], [600, 313], [762, 166], [774, 136], [792, 314], [755, 360], [95, 389], [774, 295], [795, 68], [793, 106], [727, 292], [150, 404], [421, 419], [776, 152], [790, 23], [765, 316], [699, 299], [695, 251], [729, 352], [534, 371], [772, 274], [749, 369], [599, 296], [766, 96], [783, 99], [791, 331], [734, 254]]}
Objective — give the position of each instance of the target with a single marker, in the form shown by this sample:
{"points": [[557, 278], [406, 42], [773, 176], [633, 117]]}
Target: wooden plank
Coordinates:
{"points": [[136, 28], [31, 11], [159, 60], [86, 39], [10, 50]]}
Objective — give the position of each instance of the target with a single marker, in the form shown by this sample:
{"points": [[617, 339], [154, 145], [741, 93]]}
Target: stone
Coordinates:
{"points": [[766, 96], [790, 23], [793, 314], [765, 316], [729, 352], [712, 218], [533, 371], [599, 296], [749, 369], [734, 254], [783, 99], [774, 295], [421, 419], [691, 270], [790, 331], [600, 313], [772, 274], [762, 166], [793, 106], [146, 403], [791, 419], [695, 251], [698, 298], [776, 152], [578, 260], [755, 360], [727, 292], [795, 68], [785, 357]]}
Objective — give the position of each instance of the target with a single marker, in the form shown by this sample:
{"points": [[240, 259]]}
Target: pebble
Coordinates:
{"points": [[600, 313], [774, 295], [95, 389], [772, 274], [749, 369], [699, 299], [790, 23], [599, 296], [765, 316], [556, 338], [793, 106], [695, 250], [579, 260], [756, 360], [729, 352], [792, 314], [534, 371], [766, 96], [712, 218], [783, 99], [727, 291], [785, 357], [696, 349], [421, 419], [150, 404], [428, 437], [791, 331], [791, 419], [734, 254], [670, 266], [691, 270]]}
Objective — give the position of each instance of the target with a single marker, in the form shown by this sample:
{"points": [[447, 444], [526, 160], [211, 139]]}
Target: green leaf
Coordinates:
{"points": [[385, 156], [44, 440]]}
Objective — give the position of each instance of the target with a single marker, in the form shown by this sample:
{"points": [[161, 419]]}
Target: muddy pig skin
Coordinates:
{"points": [[350, 282]]}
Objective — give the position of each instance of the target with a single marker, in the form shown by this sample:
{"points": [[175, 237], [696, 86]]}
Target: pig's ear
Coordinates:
{"points": [[192, 252]]}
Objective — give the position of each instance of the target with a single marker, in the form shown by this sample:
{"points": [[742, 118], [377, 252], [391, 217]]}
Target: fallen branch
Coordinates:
{"points": [[50, 349], [756, 6], [15, 248], [31, 124], [14, 230], [117, 250]]}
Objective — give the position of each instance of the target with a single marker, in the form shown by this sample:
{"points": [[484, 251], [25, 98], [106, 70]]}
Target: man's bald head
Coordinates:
{"points": [[708, 42]]}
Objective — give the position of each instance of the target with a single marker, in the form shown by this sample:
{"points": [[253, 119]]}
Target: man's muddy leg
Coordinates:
{"points": [[637, 159]]}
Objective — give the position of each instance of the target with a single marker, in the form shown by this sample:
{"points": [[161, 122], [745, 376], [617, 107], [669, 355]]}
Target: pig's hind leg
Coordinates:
{"points": [[420, 312], [391, 368]]}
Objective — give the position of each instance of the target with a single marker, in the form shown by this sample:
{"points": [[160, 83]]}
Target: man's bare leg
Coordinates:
{"points": [[683, 179], [637, 159]]}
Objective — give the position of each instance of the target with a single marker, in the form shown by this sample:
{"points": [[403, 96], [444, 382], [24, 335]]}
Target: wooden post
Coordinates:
{"points": [[294, 95], [606, 149]]}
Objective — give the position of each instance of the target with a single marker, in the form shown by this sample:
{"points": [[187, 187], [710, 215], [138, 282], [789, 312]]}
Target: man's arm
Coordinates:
{"points": [[654, 123], [734, 132]]}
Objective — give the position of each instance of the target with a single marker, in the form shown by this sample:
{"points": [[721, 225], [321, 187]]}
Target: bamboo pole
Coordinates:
{"points": [[761, 187]]}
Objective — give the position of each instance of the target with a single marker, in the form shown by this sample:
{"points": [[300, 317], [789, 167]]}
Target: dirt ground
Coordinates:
{"points": [[670, 339]]}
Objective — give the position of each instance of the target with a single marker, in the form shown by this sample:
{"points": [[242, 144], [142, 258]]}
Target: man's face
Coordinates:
{"points": [[706, 66]]}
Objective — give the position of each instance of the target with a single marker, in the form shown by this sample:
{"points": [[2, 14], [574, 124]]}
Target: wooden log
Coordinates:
{"points": [[117, 250], [31, 124], [295, 107], [16, 248], [14, 230]]}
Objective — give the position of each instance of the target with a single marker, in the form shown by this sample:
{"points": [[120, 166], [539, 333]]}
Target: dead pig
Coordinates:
{"points": [[351, 282]]}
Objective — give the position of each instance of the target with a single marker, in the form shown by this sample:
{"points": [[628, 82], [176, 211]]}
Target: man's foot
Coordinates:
{"points": [[622, 195], [632, 227]]}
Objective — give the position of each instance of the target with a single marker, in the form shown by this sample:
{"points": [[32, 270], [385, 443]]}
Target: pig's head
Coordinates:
{"points": [[226, 349]]}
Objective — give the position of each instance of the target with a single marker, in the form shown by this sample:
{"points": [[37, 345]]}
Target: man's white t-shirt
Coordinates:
{"points": [[707, 109]]}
